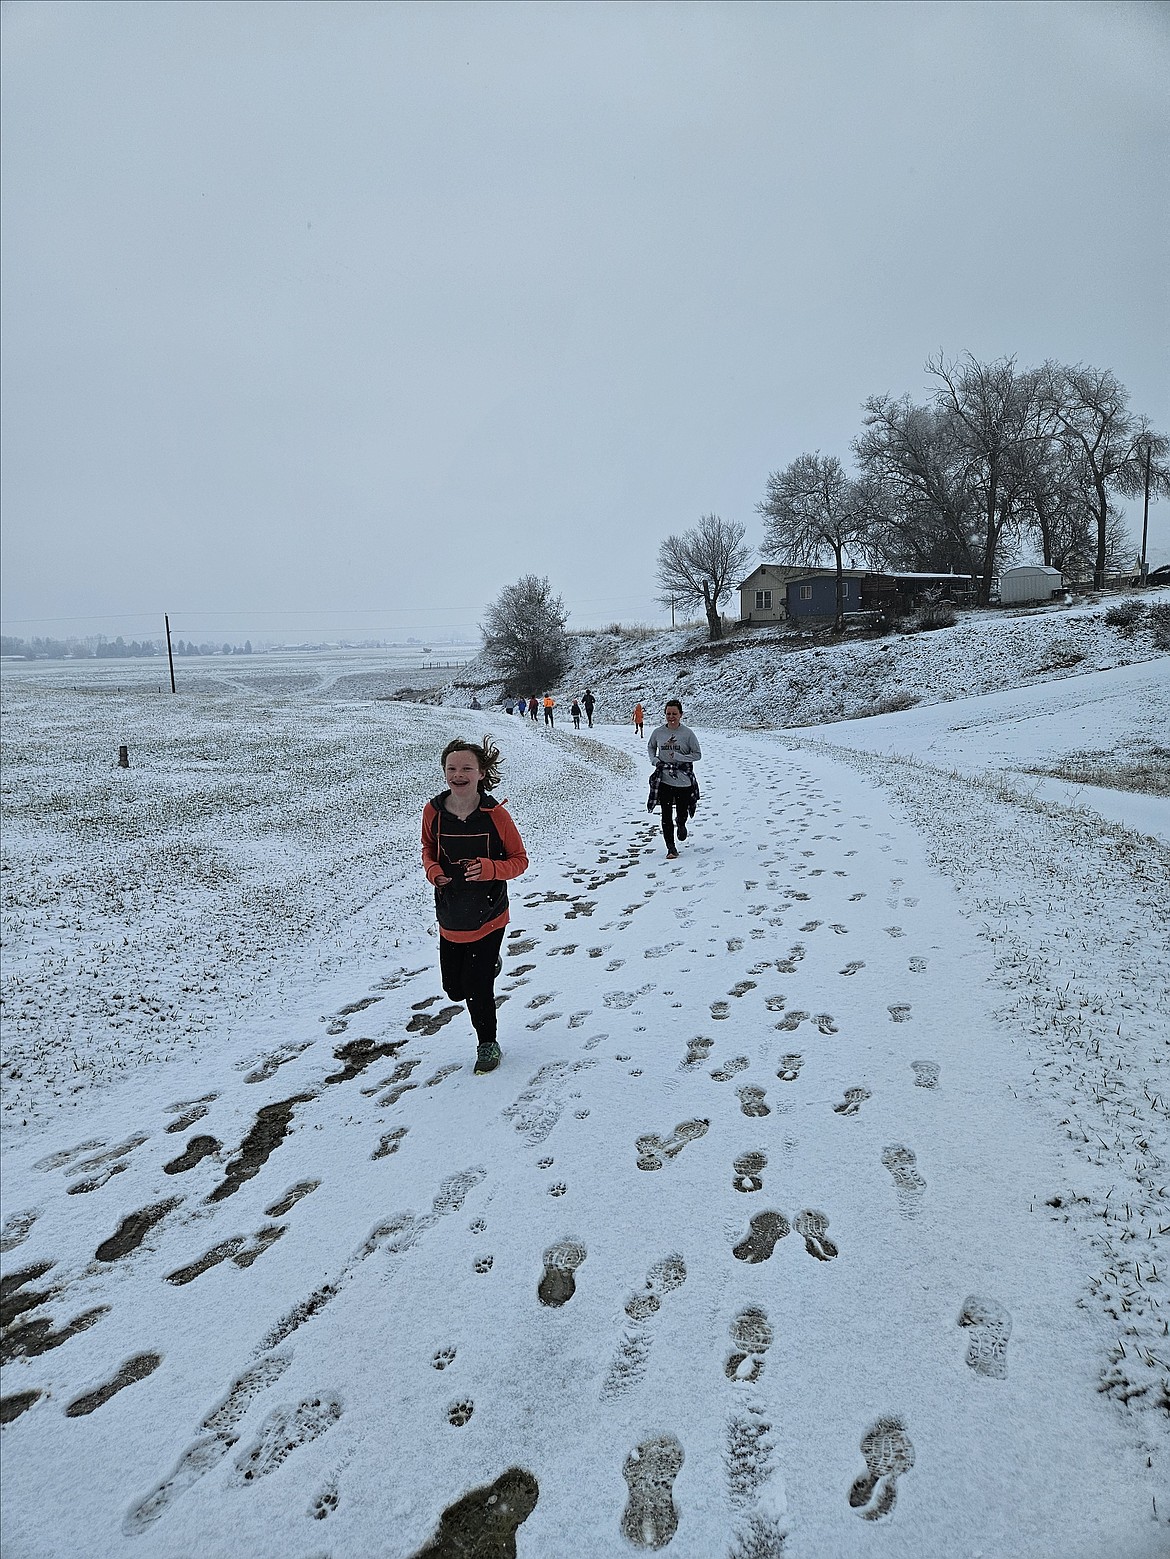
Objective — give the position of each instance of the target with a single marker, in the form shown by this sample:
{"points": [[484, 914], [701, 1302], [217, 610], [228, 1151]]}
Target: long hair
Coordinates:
{"points": [[486, 754]]}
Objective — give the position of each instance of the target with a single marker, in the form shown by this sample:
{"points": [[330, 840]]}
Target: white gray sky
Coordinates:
{"points": [[342, 316]]}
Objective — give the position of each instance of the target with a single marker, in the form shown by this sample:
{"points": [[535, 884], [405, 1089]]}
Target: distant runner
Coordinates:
{"points": [[674, 749], [575, 711], [589, 701], [638, 718], [549, 705], [471, 848]]}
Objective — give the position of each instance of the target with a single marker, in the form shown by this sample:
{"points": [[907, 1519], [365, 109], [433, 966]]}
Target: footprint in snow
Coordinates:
{"points": [[17, 1228], [697, 1051], [653, 1150], [854, 1099], [812, 1226], [888, 1453], [135, 1369], [650, 1519], [792, 1021], [284, 1431], [751, 1101], [751, 1336], [492, 1513], [991, 1328], [909, 1184], [747, 1172], [561, 1261], [764, 1231]]}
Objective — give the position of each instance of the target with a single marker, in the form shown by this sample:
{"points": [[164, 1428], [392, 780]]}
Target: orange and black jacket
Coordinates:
{"points": [[467, 911]]}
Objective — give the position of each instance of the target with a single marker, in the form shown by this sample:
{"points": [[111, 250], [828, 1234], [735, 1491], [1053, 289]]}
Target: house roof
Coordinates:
{"points": [[781, 571], [827, 573]]}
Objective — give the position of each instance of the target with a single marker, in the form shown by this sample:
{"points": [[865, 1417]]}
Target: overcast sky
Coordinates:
{"points": [[343, 316]]}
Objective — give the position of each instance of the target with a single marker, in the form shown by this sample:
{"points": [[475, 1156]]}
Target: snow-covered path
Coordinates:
{"points": [[745, 1248]]}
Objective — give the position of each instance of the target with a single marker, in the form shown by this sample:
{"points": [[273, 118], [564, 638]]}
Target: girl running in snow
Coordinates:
{"points": [[674, 749], [471, 849]]}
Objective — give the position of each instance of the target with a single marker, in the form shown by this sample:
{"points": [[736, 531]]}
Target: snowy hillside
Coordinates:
{"points": [[764, 677], [819, 1207]]}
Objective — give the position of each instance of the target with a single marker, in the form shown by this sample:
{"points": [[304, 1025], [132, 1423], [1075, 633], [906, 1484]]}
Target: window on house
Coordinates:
{"points": [[763, 600], [806, 592]]}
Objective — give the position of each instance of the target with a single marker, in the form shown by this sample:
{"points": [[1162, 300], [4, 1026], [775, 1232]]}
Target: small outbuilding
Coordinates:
{"points": [[898, 592], [1029, 582]]}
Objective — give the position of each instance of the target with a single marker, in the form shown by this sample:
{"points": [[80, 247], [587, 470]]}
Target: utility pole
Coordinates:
{"points": [[1145, 515], [672, 598], [170, 656]]}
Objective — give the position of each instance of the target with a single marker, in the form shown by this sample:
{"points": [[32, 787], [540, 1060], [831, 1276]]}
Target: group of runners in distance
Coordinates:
{"points": [[532, 707], [471, 850]]}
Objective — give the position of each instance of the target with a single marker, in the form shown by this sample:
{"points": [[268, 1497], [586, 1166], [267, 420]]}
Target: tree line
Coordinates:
{"points": [[101, 648], [998, 459]]}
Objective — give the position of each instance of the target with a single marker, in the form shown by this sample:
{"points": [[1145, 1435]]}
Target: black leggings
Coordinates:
{"points": [[674, 801], [468, 970]]}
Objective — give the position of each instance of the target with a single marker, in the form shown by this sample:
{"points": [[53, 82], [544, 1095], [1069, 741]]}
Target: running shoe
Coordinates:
{"points": [[487, 1057], [682, 830], [672, 855]]}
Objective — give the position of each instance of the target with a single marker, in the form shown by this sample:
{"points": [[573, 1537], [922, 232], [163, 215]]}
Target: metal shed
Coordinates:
{"points": [[1029, 582]]}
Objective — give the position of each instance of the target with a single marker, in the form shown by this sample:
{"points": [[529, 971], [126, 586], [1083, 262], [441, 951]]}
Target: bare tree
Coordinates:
{"points": [[525, 636], [1106, 444], [701, 567], [812, 508], [909, 456], [1002, 428]]}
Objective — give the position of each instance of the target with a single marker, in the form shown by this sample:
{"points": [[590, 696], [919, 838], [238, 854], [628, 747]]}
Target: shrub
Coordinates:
{"points": [[1064, 651], [893, 704], [1126, 614], [1160, 625], [935, 614]]}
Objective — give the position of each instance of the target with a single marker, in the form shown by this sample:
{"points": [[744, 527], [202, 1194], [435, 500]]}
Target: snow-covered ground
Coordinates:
{"points": [[819, 1207]]}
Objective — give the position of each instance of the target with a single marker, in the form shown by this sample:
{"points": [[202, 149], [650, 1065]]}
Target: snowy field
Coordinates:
{"points": [[818, 1209]]}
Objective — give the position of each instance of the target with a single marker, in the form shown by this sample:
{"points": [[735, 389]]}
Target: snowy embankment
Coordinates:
{"points": [[818, 1207], [764, 677]]}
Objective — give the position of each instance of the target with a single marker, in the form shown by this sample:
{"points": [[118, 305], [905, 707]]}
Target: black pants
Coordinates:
{"points": [[548, 717], [468, 970], [675, 802]]}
